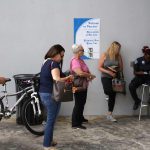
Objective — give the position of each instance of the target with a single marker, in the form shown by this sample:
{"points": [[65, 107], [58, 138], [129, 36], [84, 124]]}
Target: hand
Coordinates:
{"points": [[69, 78], [74, 89], [112, 69], [92, 77], [112, 74]]}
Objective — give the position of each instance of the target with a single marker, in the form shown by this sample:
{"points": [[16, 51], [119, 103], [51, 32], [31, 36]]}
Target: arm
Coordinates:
{"points": [[81, 73], [101, 66], [120, 63], [140, 73], [75, 66], [56, 75]]}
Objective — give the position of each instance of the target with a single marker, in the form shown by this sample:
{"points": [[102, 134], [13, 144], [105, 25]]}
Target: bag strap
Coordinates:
{"points": [[121, 75], [46, 60]]}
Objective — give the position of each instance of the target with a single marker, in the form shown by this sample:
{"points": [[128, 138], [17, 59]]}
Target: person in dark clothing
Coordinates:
{"points": [[142, 75]]}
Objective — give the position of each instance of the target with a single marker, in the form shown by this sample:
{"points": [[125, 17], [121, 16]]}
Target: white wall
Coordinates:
{"points": [[28, 28]]}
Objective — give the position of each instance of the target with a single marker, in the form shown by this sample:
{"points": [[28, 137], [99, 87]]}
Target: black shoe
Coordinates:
{"points": [[84, 120], [79, 127], [136, 105], [148, 101]]}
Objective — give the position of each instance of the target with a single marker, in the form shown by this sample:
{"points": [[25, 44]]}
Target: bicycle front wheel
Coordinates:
{"points": [[34, 117]]}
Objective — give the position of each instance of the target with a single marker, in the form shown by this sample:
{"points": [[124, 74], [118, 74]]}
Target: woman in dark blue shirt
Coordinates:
{"points": [[50, 71]]}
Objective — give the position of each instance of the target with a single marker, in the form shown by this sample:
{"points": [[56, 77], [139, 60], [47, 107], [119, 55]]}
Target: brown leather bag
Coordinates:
{"points": [[62, 91], [80, 83]]}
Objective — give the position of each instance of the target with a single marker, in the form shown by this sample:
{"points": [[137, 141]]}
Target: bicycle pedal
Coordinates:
{"points": [[1, 114], [7, 114]]}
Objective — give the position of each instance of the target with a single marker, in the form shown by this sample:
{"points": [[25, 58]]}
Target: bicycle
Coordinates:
{"points": [[33, 113]]}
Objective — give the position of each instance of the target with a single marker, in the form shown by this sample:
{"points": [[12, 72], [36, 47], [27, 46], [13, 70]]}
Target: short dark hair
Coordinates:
{"points": [[54, 50]]}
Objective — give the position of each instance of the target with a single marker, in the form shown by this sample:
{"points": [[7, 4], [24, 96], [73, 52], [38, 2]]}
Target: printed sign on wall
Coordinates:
{"points": [[87, 33]]}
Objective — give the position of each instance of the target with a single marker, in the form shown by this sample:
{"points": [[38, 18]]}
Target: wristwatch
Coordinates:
{"points": [[145, 73]]}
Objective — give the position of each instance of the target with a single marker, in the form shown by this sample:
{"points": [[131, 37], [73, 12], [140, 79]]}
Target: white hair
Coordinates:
{"points": [[76, 48]]}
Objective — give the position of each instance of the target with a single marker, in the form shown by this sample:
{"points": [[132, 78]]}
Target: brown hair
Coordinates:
{"points": [[53, 51]]}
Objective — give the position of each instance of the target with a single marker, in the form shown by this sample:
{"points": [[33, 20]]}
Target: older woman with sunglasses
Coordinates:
{"points": [[79, 67]]}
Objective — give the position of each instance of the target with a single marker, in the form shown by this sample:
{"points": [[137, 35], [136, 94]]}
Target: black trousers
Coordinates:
{"points": [[77, 114], [107, 86], [135, 83]]}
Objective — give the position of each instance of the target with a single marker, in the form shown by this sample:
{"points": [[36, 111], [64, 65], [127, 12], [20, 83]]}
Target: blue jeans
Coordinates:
{"points": [[52, 107]]}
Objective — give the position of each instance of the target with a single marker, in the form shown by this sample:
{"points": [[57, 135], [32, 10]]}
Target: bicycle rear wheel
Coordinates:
{"points": [[1, 109], [32, 119]]}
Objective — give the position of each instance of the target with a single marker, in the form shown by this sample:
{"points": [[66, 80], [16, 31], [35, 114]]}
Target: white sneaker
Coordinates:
{"points": [[111, 118], [50, 148], [107, 98]]}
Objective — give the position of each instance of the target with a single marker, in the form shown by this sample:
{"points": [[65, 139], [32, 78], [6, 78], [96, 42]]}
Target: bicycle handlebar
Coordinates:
{"points": [[37, 74]]}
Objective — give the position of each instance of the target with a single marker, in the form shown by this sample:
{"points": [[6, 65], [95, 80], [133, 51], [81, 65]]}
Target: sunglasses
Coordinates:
{"points": [[81, 50], [62, 56]]}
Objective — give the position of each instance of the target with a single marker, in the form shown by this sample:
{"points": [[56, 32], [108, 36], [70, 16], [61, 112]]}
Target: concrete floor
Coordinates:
{"points": [[127, 134]]}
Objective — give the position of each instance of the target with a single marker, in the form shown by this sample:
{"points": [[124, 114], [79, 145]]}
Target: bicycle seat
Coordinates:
{"points": [[7, 80]]}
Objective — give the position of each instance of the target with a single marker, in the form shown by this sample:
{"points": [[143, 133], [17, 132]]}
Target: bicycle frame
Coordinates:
{"points": [[29, 90], [32, 107], [36, 101], [25, 92]]}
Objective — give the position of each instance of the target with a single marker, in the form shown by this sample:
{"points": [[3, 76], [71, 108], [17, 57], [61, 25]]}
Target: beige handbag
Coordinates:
{"points": [[119, 84]]}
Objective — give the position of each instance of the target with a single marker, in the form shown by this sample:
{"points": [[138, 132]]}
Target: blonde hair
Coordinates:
{"points": [[113, 50]]}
